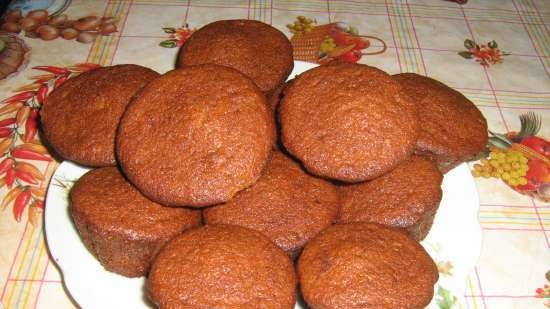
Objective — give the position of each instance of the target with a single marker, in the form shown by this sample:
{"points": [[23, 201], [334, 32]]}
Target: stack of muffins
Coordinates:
{"points": [[213, 178]]}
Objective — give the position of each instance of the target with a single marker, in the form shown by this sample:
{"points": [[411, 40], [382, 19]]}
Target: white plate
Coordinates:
{"points": [[455, 238]]}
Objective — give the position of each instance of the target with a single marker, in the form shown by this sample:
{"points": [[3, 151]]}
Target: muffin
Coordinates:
{"points": [[256, 49], [406, 198], [195, 137], [348, 122], [80, 118], [453, 129], [121, 228], [277, 95], [222, 266], [367, 266], [287, 205], [273, 100]]}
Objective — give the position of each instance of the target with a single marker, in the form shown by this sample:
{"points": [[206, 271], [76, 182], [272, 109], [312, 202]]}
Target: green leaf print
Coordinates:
{"points": [[444, 299]]}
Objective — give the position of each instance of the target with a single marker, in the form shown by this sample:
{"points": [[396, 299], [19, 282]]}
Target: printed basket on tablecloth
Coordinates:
{"points": [[307, 44]]}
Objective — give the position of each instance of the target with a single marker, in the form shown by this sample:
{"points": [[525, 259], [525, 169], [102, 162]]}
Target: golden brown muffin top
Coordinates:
{"points": [[366, 266], [348, 122], [287, 205], [105, 200], [80, 117], [256, 49], [222, 266], [195, 136], [452, 126], [275, 96], [400, 198]]}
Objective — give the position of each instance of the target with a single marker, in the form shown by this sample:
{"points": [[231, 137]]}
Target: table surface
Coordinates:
{"points": [[422, 36]]}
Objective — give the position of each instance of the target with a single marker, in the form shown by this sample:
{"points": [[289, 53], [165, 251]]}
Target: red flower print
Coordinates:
{"points": [[484, 54], [178, 36]]}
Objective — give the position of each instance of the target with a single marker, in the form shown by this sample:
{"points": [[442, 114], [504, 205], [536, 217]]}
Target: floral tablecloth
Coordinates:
{"points": [[496, 52]]}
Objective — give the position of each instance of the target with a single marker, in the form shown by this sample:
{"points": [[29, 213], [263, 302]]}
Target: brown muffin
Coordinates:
{"points": [[366, 266], [195, 136], [453, 129], [256, 49], [349, 122], [222, 266], [277, 95], [121, 228], [287, 205], [273, 100], [80, 117], [406, 198]]}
